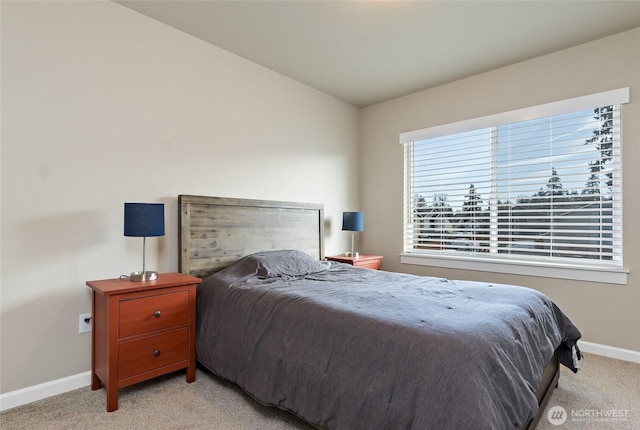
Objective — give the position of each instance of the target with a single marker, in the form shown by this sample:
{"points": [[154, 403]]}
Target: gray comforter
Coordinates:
{"points": [[352, 348]]}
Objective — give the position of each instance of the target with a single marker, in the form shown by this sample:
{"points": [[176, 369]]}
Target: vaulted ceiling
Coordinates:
{"points": [[365, 52]]}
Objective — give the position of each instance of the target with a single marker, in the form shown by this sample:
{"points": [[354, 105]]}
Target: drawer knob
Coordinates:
{"points": [[156, 353], [157, 314]]}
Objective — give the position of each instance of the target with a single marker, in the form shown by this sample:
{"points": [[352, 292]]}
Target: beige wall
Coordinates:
{"points": [[606, 314], [101, 105]]}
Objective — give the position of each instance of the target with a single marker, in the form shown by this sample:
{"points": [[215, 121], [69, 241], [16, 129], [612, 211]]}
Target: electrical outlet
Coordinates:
{"points": [[85, 323]]}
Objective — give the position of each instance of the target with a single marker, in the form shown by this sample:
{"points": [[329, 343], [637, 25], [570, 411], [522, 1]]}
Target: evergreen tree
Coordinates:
{"points": [[440, 201], [473, 202], [420, 211], [420, 206], [554, 185], [603, 140]]}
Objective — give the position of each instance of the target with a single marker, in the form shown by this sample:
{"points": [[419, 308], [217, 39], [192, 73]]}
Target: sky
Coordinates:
{"points": [[526, 153]]}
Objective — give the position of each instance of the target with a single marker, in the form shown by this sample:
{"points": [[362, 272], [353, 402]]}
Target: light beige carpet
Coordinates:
{"points": [[603, 395], [603, 388]]}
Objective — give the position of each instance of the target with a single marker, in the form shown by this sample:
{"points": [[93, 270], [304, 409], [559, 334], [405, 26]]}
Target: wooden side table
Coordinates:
{"points": [[367, 261], [142, 330]]}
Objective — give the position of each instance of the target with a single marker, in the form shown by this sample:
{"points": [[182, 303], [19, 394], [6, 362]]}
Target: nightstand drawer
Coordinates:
{"points": [[147, 314], [153, 352]]}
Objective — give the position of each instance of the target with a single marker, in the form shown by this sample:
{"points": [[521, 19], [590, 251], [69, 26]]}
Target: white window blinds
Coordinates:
{"points": [[546, 188]]}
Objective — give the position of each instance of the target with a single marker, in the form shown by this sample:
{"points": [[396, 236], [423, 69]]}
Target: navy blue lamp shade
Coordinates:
{"points": [[353, 221], [143, 220]]}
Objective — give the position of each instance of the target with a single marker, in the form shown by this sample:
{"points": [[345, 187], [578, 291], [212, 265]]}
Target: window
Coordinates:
{"points": [[538, 186]]}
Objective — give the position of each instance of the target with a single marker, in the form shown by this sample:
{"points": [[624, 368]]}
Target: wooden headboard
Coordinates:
{"points": [[216, 231]]}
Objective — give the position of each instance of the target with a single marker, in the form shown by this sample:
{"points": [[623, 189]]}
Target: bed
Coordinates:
{"points": [[349, 348]]}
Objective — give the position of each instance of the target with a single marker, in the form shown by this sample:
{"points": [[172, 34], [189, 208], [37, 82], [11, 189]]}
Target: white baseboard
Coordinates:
{"points": [[610, 351], [21, 397], [34, 393]]}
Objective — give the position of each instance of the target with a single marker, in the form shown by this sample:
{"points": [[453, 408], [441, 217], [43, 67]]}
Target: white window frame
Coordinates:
{"points": [[614, 275]]}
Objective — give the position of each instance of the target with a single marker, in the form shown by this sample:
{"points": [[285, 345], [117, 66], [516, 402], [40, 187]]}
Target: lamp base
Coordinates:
{"points": [[143, 276]]}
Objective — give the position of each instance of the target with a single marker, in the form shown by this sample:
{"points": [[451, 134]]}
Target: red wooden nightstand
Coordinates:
{"points": [[142, 330], [367, 261]]}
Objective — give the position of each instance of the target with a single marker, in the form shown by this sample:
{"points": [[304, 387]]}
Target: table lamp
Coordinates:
{"points": [[143, 220], [353, 221]]}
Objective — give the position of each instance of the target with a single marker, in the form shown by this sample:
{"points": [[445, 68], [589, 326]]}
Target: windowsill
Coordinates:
{"points": [[591, 274]]}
